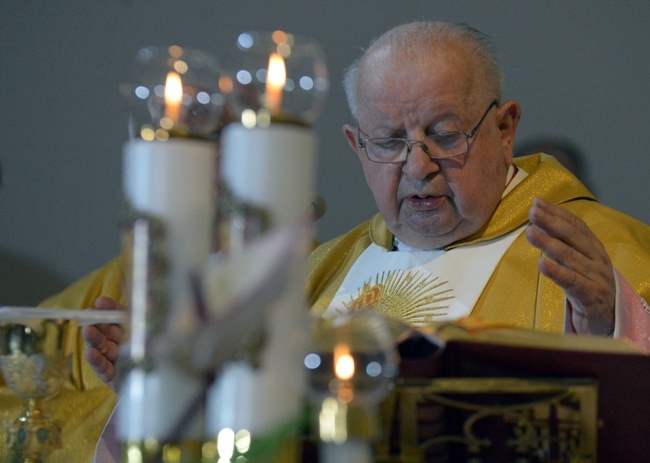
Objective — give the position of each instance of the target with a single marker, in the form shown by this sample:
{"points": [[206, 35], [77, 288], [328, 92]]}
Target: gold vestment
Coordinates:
{"points": [[516, 294]]}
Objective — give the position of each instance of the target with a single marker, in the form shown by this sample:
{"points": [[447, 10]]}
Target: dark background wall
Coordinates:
{"points": [[579, 69]]}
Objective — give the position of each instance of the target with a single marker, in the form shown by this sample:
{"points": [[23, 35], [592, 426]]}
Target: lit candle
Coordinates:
{"points": [[276, 77], [337, 443], [277, 154], [173, 96], [170, 180]]}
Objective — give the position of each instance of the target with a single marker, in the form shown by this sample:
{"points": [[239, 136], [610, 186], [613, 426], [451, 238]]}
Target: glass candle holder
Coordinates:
{"points": [[169, 184], [351, 365], [279, 77], [173, 91]]}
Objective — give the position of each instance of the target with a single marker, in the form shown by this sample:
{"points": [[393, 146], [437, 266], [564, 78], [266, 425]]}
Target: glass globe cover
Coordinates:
{"points": [[173, 91], [352, 357], [280, 75]]}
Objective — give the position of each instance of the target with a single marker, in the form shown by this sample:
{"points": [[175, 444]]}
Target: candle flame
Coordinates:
{"points": [[173, 96], [276, 77], [343, 362]]}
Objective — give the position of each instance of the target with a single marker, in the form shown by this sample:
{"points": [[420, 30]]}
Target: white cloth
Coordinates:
{"points": [[420, 286]]}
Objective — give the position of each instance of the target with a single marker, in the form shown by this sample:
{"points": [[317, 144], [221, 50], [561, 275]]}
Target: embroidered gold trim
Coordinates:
{"points": [[415, 297]]}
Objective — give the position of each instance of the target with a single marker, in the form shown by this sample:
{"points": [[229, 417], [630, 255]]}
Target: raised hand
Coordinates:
{"points": [[103, 343], [575, 259]]}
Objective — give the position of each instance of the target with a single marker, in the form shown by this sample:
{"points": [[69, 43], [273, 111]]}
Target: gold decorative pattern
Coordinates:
{"points": [[413, 296], [491, 420]]}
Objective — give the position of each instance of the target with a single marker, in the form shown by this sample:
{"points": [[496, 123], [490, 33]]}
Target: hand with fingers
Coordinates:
{"points": [[575, 259], [103, 343]]}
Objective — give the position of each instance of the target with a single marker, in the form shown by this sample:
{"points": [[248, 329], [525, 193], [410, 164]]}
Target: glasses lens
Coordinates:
{"points": [[449, 143], [385, 149], [439, 145]]}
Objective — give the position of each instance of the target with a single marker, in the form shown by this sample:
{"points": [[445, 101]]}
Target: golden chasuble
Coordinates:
{"points": [[516, 293]]}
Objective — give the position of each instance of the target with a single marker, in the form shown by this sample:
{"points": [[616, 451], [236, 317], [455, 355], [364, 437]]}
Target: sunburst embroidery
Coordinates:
{"points": [[415, 297]]}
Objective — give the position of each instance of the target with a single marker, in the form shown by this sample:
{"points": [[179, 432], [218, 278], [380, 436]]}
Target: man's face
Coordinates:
{"points": [[432, 203]]}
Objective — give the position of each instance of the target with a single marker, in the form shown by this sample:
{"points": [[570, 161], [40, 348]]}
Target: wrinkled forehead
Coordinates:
{"points": [[395, 70]]}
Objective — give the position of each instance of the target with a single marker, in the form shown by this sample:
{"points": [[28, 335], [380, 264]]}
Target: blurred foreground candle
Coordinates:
{"points": [[269, 154], [257, 404], [169, 177], [351, 364]]}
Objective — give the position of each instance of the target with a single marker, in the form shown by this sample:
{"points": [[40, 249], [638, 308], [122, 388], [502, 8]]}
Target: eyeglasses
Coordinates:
{"points": [[449, 144]]}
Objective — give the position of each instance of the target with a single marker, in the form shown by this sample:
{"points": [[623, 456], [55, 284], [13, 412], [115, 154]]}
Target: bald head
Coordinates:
{"points": [[421, 43]]}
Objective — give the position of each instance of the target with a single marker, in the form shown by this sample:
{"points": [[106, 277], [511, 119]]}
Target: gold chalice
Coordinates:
{"points": [[35, 356]]}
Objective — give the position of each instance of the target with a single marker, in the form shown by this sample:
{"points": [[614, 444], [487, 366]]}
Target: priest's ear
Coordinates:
{"points": [[508, 115], [352, 136]]}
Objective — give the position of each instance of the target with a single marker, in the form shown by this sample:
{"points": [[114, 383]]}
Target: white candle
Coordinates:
{"points": [[271, 168], [270, 396], [154, 403], [174, 181]]}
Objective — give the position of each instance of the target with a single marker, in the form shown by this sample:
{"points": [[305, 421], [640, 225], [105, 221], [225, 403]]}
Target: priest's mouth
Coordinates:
{"points": [[425, 203]]}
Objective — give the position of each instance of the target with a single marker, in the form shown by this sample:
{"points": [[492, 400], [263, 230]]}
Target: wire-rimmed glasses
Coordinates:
{"points": [[391, 150]]}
